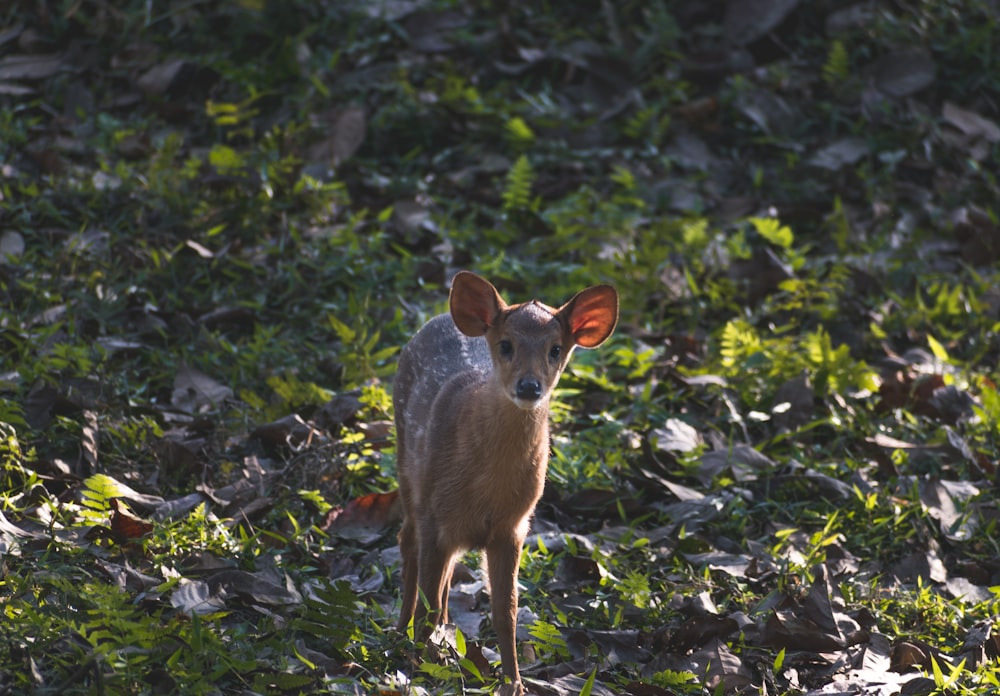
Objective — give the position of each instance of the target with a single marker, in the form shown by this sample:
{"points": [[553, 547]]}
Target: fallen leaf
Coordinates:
{"points": [[787, 629], [12, 89], [364, 519], [348, 134], [734, 564], [11, 246], [906, 655], [970, 123], [125, 524], [196, 392], [392, 10], [905, 72], [676, 436], [175, 509], [157, 80], [699, 630], [10, 529], [30, 67], [841, 153], [259, 587], [746, 21], [945, 502], [924, 565], [742, 461], [967, 592], [720, 667], [429, 30], [340, 410], [290, 432], [793, 404], [196, 597], [579, 570]]}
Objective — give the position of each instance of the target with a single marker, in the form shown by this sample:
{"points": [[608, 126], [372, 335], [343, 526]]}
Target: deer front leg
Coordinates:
{"points": [[502, 559]]}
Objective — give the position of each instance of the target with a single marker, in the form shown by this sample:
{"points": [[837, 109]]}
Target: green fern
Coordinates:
{"points": [[96, 495], [773, 231], [548, 639], [837, 66], [738, 342], [519, 133], [517, 192]]}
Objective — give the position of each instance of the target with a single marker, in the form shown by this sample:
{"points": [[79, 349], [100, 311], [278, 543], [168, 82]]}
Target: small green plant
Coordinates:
{"points": [[548, 640], [519, 133], [517, 191], [837, 66]]}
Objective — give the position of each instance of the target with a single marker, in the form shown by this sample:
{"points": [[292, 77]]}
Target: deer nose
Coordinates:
{"points": [[529, 389]]}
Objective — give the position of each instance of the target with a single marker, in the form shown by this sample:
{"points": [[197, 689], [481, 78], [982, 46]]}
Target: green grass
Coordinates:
{"points": [[206, 259]]}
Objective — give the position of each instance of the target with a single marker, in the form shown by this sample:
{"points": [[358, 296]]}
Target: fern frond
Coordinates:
{"points": [[517, 192], [739, 341], [773, 231], [838, 64], [519, 133]]}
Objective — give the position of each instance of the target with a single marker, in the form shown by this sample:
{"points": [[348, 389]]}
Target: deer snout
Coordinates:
{"points": [[528, 389]]}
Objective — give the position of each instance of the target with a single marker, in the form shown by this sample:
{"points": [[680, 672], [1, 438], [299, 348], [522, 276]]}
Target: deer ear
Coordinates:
{"points": [[591, 315], [475, 303]]}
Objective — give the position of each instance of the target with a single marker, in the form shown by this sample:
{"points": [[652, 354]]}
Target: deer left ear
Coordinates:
{"points": [[592, 315]]}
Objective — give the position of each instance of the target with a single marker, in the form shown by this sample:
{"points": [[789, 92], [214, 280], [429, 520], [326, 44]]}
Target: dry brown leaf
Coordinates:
{"points": [[125, 524], [366, 518], [786, 629]]}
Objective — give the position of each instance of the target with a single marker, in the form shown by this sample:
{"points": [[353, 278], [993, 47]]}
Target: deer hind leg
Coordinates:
{"points": [[435, 571], [408, 551], [446, 589]]}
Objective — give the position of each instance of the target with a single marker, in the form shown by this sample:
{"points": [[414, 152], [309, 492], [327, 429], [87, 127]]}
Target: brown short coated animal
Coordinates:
{"points": [[471, 398]]}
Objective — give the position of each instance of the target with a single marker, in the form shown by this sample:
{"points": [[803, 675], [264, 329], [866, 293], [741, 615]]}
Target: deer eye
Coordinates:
{"points": [[506, 349], [555, 352]]}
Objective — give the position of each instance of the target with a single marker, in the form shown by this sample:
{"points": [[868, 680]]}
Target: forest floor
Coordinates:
{"points": [[220, 220]]}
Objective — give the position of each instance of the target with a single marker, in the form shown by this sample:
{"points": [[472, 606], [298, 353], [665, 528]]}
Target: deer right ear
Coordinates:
{"points": [[592, 315], [475, 303]]}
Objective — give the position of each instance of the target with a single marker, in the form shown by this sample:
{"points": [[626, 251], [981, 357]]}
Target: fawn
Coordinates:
{"points": [[471, 398]]}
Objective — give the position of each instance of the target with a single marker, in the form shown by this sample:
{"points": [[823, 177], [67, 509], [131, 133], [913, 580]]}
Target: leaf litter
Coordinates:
{"points": [[721, 600]]}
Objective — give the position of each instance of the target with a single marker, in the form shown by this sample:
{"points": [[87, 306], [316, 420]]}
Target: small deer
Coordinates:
{"points": [[471, 398]]}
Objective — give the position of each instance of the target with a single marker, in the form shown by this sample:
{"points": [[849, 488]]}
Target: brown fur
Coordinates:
{"points": [[471, 398]]}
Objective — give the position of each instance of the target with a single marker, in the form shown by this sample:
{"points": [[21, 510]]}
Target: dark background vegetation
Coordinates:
{"points": [[220, 220]]}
